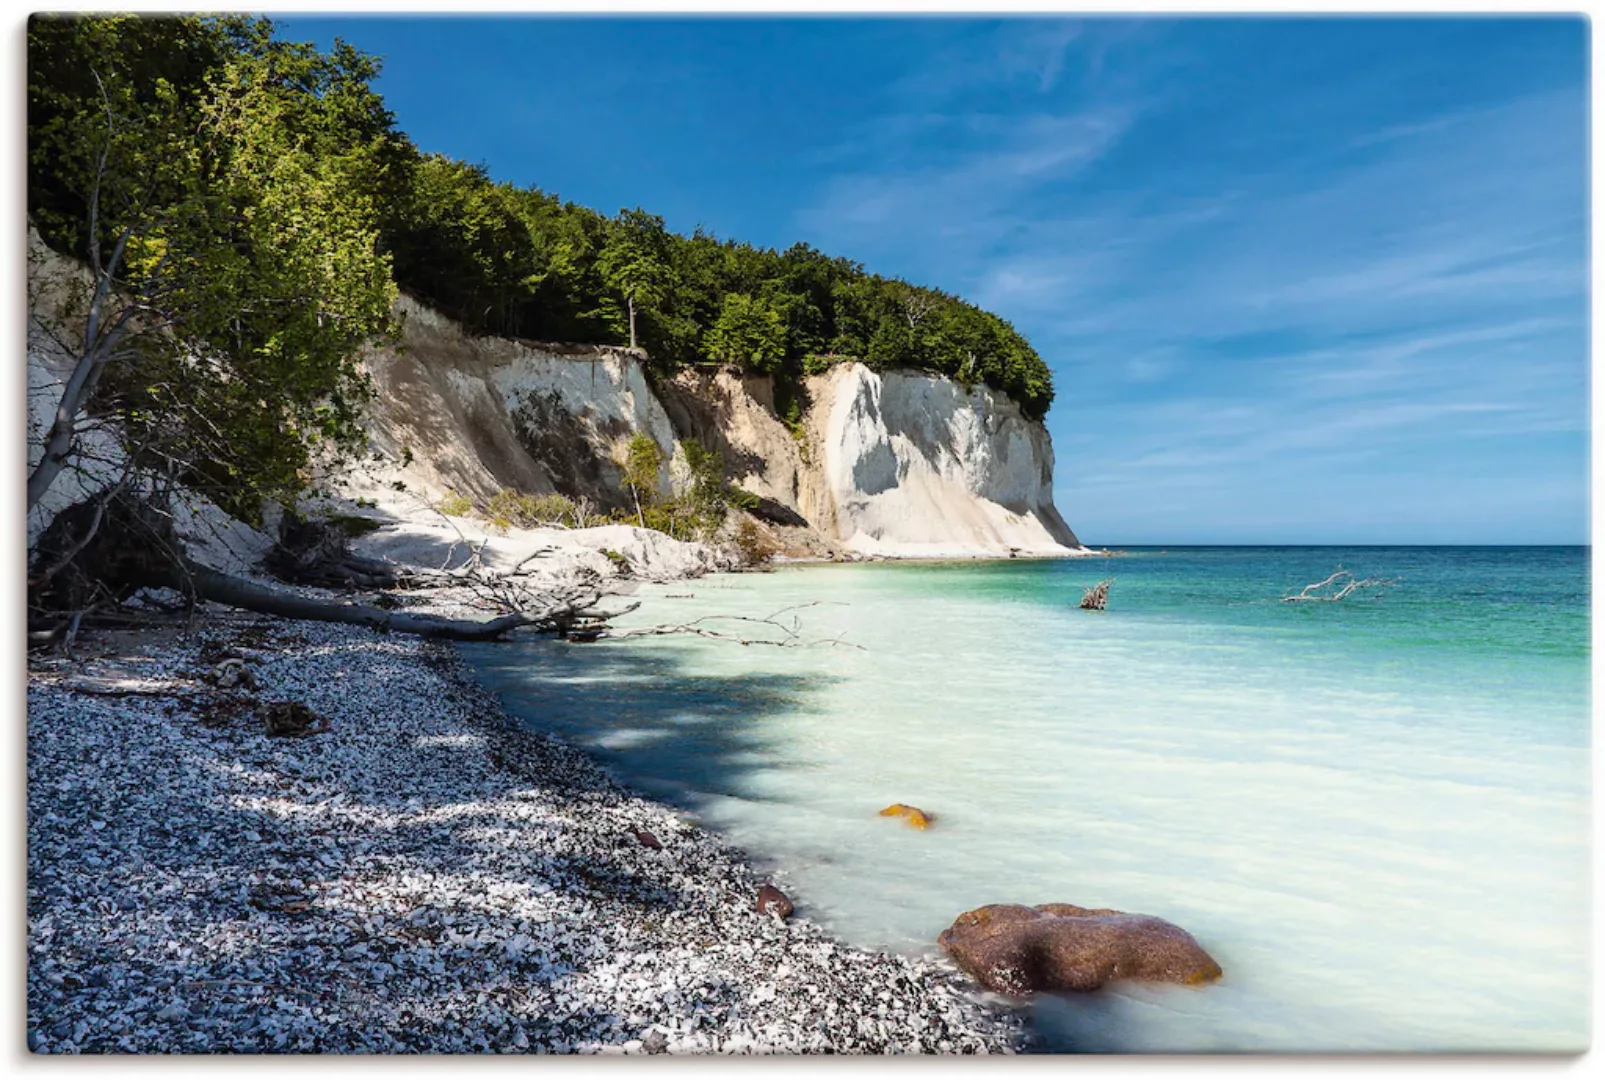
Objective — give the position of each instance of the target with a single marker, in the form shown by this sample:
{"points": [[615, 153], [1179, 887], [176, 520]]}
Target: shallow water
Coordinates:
{"points": [[1373, 813]]}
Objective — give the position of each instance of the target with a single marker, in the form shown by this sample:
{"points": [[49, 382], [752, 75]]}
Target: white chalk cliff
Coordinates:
{"points": [[916, 465], [895, 463]]}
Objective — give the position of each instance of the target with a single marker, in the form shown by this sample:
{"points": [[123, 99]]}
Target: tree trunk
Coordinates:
{"points": [[100, 346], [238, 592], [133, 546], [631, 301], [59, 439]]}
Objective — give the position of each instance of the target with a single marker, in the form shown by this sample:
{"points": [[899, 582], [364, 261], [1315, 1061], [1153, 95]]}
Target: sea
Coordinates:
{"points": [[1374, 813]]}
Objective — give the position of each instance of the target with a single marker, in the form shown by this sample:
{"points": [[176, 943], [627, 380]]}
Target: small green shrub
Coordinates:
{"points": [[819, 363], [510, 507], [754, 545], [454, 505], [683, 518], [355, 525], [616, 559], [639, 459]]}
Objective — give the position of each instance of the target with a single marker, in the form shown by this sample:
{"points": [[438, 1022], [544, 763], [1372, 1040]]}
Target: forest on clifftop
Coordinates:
{"points": [[204, 94]]}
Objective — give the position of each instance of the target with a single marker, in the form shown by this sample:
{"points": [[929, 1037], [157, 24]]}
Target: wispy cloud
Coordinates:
{"points": [[1232, 303], [991, 161], [1017, 52]]}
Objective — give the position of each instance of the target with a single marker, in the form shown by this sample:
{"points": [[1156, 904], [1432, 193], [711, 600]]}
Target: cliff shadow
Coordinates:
{"points": [[703, 414]]}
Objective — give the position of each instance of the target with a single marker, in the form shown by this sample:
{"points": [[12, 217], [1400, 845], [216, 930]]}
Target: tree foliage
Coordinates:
{"points": [[634, 266], [524, 263], [639, 463], [749, 334], [233, 179]]}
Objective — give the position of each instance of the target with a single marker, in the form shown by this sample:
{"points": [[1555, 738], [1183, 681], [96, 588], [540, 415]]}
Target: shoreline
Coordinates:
{"points": [[954, 555], [426, 876]]}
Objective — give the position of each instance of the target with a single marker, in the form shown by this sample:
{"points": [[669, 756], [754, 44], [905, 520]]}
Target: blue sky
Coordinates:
{"points": [[1299, 281]]}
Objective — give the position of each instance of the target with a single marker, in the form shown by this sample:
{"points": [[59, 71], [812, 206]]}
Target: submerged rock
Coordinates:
{"points": [[911, 814], [1016, 949]]}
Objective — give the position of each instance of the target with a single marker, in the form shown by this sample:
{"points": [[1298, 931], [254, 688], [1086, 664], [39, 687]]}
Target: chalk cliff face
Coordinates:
{"points": [[473, 415], [915, 465], [897, 463]]}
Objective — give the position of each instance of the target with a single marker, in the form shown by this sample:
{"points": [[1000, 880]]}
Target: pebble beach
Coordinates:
{"points": [[415, 874]]}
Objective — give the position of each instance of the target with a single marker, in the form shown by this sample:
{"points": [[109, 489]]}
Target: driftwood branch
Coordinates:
{"points": [[790, 630], [1340, 584], [1097, 597]]}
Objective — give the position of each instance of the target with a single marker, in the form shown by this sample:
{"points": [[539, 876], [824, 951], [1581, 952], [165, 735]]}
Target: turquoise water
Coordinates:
{"points": [[1373, 813]]}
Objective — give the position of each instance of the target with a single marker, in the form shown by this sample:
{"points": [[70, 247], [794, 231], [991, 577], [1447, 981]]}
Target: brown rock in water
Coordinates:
{"points": [[911, 814], [772, 901], [1016, 949], [646, 839]]}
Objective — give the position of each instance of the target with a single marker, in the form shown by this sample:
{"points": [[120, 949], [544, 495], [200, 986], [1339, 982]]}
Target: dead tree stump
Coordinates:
{"points": [[1097, 597]]}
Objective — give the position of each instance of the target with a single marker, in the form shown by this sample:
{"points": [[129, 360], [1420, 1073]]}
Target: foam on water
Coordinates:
{"points": [[1374, 814]]}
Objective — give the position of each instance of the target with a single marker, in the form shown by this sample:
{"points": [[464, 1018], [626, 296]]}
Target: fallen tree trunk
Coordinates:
{"points": [[237, 592], [133, 546], [111, 547]]}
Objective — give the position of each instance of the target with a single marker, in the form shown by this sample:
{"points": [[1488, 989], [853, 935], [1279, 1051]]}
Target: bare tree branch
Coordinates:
{"points": [[1097, 597], [791, 632], [1341, 583]]}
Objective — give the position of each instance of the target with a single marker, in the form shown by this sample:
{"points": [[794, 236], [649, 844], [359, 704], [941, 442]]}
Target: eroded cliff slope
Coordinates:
{"points": [[894, 463]]}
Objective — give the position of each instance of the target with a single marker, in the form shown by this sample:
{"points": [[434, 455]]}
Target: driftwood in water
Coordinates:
{"points": [[1341, 584], [790, 631], [1097, 597]]}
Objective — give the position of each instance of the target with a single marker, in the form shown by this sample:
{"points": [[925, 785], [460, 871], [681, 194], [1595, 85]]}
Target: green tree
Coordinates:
{"points": [[230, 227], [634, 262], [891, 346], [749, 334], [642, 459], [706, 490]]}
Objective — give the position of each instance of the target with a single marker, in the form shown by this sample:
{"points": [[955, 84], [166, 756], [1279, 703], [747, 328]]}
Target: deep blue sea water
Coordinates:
{"points": [[1374, 813]]}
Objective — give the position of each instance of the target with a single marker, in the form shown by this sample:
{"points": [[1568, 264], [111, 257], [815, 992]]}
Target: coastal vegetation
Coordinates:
{"points": [[698, 507], [220, 187], [249, 209], [242, 214], [523, 263]]}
